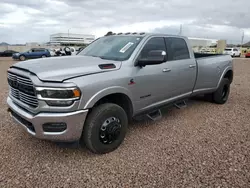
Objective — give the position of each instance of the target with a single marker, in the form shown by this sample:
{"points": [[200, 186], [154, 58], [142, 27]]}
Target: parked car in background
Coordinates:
{"points": [[70, 50], [52, 52], [234, 52], [59, 52], [32, 54], [66, 51], [208, 51], [7, 53], [247, 55]]}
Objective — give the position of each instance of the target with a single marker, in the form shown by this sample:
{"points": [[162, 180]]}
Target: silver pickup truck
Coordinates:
{"points": [[91, 97]]}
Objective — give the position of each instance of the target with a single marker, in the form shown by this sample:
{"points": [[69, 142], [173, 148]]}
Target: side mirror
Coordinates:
{"points": [[155, 57]]}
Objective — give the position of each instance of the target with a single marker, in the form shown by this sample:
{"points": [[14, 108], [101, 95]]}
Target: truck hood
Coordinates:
{"points": [[63, 68]]}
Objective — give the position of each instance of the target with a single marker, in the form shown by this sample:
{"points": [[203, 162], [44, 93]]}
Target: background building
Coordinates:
{"points": [[71, 39], [198, 42], [32, 44]]}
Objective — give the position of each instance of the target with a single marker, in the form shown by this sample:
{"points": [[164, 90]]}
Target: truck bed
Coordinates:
{"points": [[210, 69], [202, 55]]}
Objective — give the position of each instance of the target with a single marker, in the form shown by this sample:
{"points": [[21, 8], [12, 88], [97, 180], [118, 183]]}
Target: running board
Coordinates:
{"points": [[180, 105], [155, 115]]}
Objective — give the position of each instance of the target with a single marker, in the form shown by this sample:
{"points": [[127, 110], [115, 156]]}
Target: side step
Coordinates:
{"points": [[180, 105], [155, 115]]}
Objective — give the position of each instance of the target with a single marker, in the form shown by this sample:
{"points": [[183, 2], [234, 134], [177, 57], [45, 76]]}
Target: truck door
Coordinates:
{"points": [[181, 68], [150, 81]]}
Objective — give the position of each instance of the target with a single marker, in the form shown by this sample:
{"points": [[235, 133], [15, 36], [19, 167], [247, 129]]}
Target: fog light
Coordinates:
{"points": [[59, 103], [54, 127]]}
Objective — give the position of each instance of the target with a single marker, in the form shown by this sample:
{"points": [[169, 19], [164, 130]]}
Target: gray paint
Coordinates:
{"points": [[62, 68], [182, 81]]}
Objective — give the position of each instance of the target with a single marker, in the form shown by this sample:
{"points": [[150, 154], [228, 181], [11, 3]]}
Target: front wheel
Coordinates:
{"points": [[44, 56], [22, 58], [105, 128]]}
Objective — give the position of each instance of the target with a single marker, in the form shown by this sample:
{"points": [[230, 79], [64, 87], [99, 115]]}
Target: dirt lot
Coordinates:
{"points": [[203, 145]]}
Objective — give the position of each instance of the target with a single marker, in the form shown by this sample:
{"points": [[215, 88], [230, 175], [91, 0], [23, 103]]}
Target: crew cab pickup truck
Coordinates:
{"points": [[91, 97]]}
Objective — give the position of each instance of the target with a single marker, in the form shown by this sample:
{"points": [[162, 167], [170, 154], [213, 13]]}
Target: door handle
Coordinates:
{"points": [[192, 66], [166, 70]]}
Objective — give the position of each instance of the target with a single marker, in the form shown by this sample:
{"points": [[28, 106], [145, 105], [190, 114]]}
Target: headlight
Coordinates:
{"points": [[58, 96]]}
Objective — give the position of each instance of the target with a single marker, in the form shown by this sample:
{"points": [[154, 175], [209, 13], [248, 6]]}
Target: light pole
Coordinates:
{"points": [[242, 38], [68, 34]]}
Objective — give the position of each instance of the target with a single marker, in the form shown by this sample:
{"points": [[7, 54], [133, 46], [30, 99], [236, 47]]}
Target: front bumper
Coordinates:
{"points": [[33, 124]]}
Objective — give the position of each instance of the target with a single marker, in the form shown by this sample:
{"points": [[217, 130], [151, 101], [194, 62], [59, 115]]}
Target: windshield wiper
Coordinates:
{"points": [[110, 58], [101, 57]]}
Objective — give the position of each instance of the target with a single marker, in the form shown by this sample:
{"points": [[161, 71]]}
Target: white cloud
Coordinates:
{"points": [[35, 20]]}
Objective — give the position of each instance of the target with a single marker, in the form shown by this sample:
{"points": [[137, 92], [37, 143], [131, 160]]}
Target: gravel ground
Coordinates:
{"points": [[203, 145]]}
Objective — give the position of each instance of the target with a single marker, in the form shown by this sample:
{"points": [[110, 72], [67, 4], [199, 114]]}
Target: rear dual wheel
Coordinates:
{"points": [[220, 96]]}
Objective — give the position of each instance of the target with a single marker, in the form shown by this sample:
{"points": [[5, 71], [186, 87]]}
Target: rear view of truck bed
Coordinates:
{"points": [[211, 67]]}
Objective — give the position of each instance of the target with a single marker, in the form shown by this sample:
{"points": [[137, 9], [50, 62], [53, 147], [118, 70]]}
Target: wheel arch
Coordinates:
{"points": [[227, 73], [116, 95], [22, 55]]}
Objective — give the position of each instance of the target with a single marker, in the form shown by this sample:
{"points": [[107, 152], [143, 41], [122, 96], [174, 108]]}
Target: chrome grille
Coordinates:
{"points": [[22, 89]]}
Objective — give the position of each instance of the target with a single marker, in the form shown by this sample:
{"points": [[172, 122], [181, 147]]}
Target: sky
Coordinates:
{"points": [[35, 20]]}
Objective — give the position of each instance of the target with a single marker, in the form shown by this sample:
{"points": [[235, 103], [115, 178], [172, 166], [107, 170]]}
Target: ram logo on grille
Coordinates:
{"points": [[22, 89]]}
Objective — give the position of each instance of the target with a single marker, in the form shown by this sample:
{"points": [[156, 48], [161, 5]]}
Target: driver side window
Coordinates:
{"points": [[156, 43]]}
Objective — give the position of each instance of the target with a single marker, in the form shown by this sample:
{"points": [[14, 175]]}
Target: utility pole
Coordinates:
{"points": [[242, 38], [180, 32], [68, 35]]}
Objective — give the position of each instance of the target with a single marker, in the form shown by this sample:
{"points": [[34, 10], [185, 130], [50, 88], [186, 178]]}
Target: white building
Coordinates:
{"points": [[32, 44], [196, 42], [71, 39]]}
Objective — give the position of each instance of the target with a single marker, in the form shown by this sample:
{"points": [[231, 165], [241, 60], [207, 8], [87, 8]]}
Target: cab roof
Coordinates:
{"points": [[143, 34]]}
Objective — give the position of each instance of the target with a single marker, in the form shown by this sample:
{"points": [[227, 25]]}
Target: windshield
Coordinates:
{"points": [[228, 49], [118, 48]]}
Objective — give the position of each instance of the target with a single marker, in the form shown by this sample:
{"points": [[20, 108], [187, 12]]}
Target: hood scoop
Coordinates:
{"points": [[107, 66]]}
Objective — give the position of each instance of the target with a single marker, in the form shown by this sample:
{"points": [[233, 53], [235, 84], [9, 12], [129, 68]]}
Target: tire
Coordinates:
{"points": [[22, 57], [43, 56], [105, 116], [220, 96]]}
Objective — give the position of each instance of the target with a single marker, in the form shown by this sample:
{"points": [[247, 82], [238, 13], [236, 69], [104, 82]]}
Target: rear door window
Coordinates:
{"points": [[177, 49]]}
